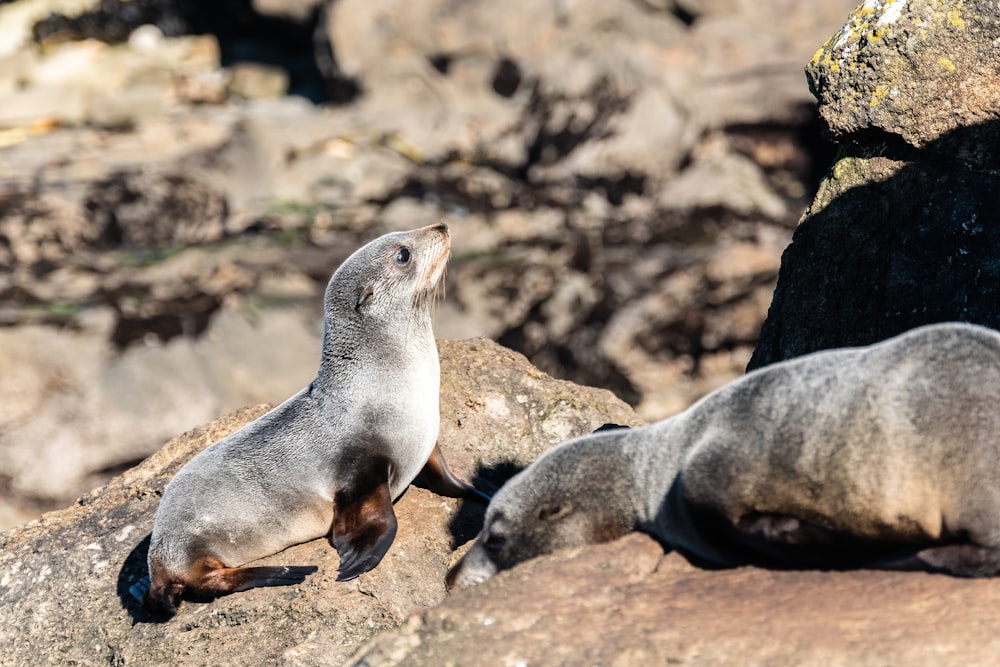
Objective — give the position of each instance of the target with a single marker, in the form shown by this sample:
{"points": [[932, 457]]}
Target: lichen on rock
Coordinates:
{"points": [[914, 69]]}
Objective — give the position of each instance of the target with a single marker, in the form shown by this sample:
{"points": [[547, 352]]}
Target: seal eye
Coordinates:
{"points": [[403, 256], [494, 543]]}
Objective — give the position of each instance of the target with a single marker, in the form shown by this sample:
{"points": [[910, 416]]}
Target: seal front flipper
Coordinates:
{"points": [[437, 477], [244, 578], [364, 527]]}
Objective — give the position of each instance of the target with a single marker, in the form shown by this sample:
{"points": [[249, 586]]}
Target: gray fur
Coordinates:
{"points": [[274, 483], [882, 456]]}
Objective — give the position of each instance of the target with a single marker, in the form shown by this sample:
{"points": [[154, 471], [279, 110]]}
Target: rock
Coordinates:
{"points": [[298, 10], [606, 95], [40, 231], [251, 81], [64, 579], [916, 71], [18, 18], [719, 178], [499, 409], [626, 603], [750, 71], [901, 232], [73, 417], [278, 32], [142, 210]]}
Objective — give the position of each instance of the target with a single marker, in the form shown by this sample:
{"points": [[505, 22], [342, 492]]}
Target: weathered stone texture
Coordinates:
{"points": [[626, 603]]}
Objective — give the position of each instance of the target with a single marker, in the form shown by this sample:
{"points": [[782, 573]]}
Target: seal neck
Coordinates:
{"points": [[657, 454], [354, 354]]}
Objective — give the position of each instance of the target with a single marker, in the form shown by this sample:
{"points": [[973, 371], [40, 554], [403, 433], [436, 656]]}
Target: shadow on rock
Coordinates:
{"points": [[134, 569], [898, 237], [468, 520]]}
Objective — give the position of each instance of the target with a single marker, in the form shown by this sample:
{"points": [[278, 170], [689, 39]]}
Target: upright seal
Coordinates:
{"points": [[331, 459], [884, 456]]}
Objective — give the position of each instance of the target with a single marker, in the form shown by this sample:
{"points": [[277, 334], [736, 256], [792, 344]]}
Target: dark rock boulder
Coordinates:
{"points": [[905, 228]]}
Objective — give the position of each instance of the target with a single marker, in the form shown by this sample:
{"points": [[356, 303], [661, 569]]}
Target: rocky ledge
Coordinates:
{"points": [[64, 578]]}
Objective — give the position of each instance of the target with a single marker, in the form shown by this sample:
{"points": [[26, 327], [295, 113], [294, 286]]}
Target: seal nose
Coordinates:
{"points": [[442, 227]]}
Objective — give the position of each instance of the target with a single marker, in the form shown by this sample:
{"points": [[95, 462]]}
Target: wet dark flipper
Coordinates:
{"points": [[244, 578], [436, 476], [209, 578], [364, 526], [961, 560]]}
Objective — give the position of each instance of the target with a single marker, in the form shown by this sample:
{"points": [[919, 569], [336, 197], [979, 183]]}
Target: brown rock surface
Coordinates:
{"points": [[64, 578], [626, 603]]}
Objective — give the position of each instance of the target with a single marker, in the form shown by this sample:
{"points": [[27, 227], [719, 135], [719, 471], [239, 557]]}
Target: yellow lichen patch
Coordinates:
{"points": [[945, 63], [879, 96], [955, 17], [824, 58], [839, 169], [847, 169]]}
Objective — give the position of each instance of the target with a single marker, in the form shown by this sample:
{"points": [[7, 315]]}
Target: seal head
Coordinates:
{"points": [[575, 494]]}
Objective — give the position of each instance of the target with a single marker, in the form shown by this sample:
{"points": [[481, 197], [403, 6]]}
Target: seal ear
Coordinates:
{"points": [[364, 527], [366, 293], [552, 511]]}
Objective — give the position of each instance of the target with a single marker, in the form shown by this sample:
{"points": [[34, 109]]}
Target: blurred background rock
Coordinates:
{"points": [[177, 184]]}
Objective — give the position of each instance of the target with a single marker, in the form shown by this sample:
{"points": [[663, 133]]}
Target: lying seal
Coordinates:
{"points": [[331, 459], [883, 456]]}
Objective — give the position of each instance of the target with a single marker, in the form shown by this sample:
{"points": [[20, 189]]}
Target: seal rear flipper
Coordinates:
{"points": [[960, 560], [436, 476], [209, 578], [363, 531]]}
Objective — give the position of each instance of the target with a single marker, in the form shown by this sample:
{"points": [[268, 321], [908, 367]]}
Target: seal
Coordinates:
{"points": [[886, 456], [329, 460]]}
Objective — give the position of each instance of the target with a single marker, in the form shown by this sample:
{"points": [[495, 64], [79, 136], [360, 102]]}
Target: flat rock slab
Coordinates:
{"points": [[626, 603], [64, 579]]}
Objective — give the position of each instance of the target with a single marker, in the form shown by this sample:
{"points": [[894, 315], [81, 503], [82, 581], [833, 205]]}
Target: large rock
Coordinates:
{"points": [[916, 70], [904, 229], [64, 578], [626, 603]]}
